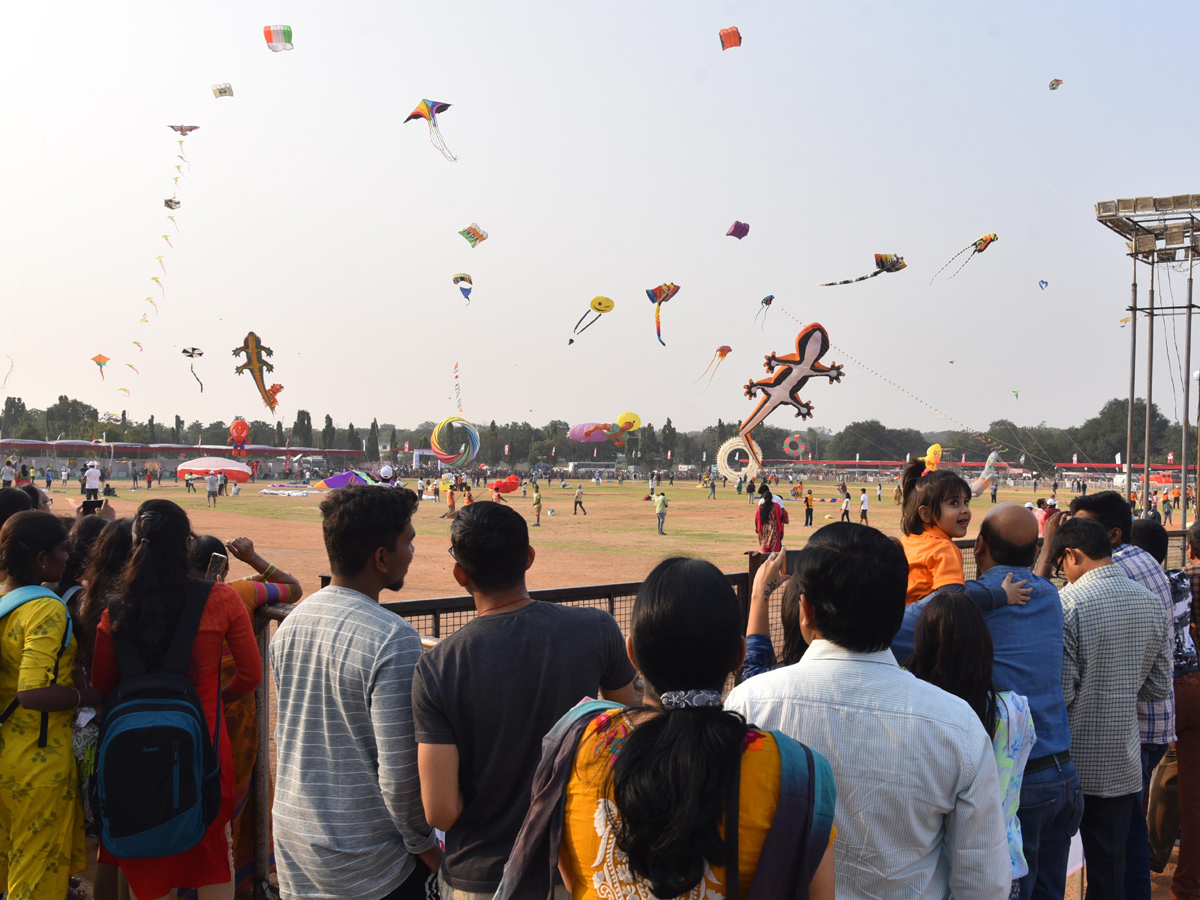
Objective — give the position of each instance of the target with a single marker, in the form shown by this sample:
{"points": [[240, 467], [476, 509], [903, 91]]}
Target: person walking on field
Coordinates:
{"points": [[864, 506], [660, 510], [845, 509], [712, 489], [579, 501]]}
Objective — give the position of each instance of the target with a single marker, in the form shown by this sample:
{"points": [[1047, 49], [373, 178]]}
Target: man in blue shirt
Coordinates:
{"points": [[1028, 648]]}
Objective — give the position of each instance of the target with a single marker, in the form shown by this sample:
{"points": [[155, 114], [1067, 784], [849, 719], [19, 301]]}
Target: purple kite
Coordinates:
{"points": [[738, 230]]}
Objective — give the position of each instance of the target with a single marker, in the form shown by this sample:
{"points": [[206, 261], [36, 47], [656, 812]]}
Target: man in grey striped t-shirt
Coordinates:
{"points": [[348, 816]]}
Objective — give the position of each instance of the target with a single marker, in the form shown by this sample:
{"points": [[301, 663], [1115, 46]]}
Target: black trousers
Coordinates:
{"points": [[1104, 830], [808, 515], [417, 886]]}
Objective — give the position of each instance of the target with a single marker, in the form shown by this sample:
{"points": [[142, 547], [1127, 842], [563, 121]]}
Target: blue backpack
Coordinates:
{"points": [[158, 774], [8, 603]]}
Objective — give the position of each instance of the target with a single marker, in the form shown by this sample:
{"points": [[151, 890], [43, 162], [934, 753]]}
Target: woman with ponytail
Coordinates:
{"points": [[145, 610], [646, 793]]}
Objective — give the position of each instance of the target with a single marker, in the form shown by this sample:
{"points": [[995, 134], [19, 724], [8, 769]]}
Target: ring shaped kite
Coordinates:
{"points": [[754, 452], [466, 452], [793, 447]]}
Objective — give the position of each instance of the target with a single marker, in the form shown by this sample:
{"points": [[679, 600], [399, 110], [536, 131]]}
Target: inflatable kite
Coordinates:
{"points": [[428, 110], [466, 452], [463, 280], [223, 90], [183, 129], [739, 445], [988, 476], [615, 431], [507, 485], [587, 433], [784, 386], [474, 235], [974, 248], [239, 431], [793, 447], [932, 458], [279, 37], [257, 365], [884, 262], [101, 360], [345, 479], [738, 230], [730, 37], [763, 309], [171, 202], [658, 296], [1055, 84], [599, 305], [720, 354]]}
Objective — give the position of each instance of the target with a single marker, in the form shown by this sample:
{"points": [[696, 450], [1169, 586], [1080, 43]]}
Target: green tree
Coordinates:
{"points": [[353, 442], [373, 442], [279, 438], [302, 432], [669, 438], [328, 434], [195, 432], [73, 418], [178, 432], [216, 433], [260, 433], [393, 450], [152, 430]]}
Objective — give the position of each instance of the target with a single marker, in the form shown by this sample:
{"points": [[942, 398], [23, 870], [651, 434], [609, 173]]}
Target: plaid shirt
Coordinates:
{"points": [[1156, 718], [1116, 650]]}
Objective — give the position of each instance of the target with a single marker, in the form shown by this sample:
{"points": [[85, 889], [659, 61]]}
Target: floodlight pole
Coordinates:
{"points": [[1149, 390], [1133, 314], [1187, 386]]}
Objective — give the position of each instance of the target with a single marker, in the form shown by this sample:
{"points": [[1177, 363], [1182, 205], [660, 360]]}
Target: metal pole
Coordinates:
{"points": [[1149, 388], [1133, 313], [1187, 386], [262, 767]]}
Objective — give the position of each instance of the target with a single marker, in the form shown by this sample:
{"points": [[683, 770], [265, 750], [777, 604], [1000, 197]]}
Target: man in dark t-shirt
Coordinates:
{"points": [[484, 697]]}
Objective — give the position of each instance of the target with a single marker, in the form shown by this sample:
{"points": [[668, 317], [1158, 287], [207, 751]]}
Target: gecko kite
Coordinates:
{"points": [[786, 381], [428, 110], [884, 262], [599, 305], [658, 296], [764, 307], [974, 248], [257, 365]]}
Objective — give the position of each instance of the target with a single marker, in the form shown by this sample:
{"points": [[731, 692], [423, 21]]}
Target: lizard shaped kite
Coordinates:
{"points": [[257, 366], [783, 387]]}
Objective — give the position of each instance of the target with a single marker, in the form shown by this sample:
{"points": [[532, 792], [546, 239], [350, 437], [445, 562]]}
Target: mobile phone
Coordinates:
{"points": [[216, 567], [91, 507]]}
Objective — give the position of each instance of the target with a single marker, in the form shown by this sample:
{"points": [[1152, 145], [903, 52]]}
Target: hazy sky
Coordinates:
{"points": [[605, 147]]}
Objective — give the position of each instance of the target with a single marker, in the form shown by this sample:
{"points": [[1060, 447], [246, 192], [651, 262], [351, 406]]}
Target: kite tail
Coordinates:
{"points": [[711, 377], [706, 368], [950, 260], [435, 138], [965, 261], [852, 280], [588, 325], [658, 323], [197, 377], [756, 315]]}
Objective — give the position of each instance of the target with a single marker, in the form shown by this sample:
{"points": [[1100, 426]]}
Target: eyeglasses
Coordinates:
{"points": [[450, 550]]}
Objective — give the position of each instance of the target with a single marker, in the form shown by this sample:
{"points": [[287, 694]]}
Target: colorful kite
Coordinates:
{"points": [[763, 309], [720, 354], [466, 452], [124, 391], [1125, 321], [239, 432], [658, 296], [730, 37], [223, 90], [101, 360], [738, 230], [167, 237], [974, 248], [183, 129], [463, 280], [615, 431], [1055, 84], [173, 222], [150, 300], [599, 305], [588, 433], [158, 281], [784, 386], [171, 202], [132, 366], [194, 352], [428, 110], [161, 264], [144, 320], [279, 37], [1043, 284], [457, 388], [793, 447], [474, 235], [138, 344], [256, 364], [884, 262], [1017, 394]]}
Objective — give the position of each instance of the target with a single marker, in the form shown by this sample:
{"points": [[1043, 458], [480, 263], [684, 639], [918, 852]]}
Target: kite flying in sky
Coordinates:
{"points": [[884, 262], [1043, 284], [171, 202], [599, 305], [463, 280], [257, 365], [132, 366], [974, 248], [720, 354], [183, 129], [193, 353], [101, 360], [763, 309], [223, 90], [150, 300], [738, 230], [279, 37], [1056, 84], [428, 110], [730, 37], [474, 235], [138, 344], [615, 431], [658, 296]]}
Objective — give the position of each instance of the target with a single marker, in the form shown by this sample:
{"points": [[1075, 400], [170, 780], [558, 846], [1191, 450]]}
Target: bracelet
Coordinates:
{"points": [[78, 698], [269, 571]]}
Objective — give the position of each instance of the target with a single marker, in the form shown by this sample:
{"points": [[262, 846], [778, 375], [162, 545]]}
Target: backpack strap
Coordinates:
{"points": [[179, 651]]}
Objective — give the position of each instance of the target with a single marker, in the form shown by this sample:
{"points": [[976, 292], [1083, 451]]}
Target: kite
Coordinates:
{"points": [[171, 202], [466, 452], [658, 296], [457, 388], [793, 447], [1056, 84], [257, 365], [183, 129], [1017, 394], [615, 432], [138, 344], [161, 264], [507, 485], [987, 476], [101, 360], [474, 235], [730, 37], [720, 354], [132, 366], [1043, 284], [738, 230], [167, 237], [884, 262], [223, 90], [194, 352], [150, 300], [428, 110], [932, 458], [587, 433], [784, 386], [599, 305], [158, 281], [1125, 321], [124, 391], [172, 218], [463, 280], [143, 320], [974, 248], [239, 431], [279, 37], [763, 309]]}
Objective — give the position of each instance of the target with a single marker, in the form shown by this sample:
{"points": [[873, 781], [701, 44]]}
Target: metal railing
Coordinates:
{"points": [[434, 619]]}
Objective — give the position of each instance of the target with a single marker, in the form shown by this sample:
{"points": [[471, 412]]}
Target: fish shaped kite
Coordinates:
{"points": [[786, 381], [222, 90], [1055, 84], [730, 37], [720, 354], [658, 296], [738, 230], [183, 129], [600, 306], [974, 249], [278, 37], [194, 352], [474, 235], [884, 262], [763, 309], [256, 364], [428, 110], [100, 360], [463, 280]]}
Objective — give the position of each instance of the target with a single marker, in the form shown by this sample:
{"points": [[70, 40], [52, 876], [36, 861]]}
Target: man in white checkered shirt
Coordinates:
{"points": [[1116, 650]]}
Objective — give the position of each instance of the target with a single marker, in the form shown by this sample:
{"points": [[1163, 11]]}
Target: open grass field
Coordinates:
{"points": [[616, 541]]}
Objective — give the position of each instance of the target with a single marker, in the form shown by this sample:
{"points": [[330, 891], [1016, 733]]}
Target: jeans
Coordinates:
{"points": [[1137, 844], [662, 518], [92, 494], [1162, 813], [1050, 810], [578, 507], [1105, 832]]}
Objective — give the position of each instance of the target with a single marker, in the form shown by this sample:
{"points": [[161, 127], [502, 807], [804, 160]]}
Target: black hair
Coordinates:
{"points": [[105, 565], [1110, 508], [203, 548], [1193, 538], [1087, 536], [930, 491], [766, 509], [12, 500], [84, 534], [491, 543], [24, 536], [671, 779], [856, 580], [358, 520], [34, 495], [952, 649], [1005, 552], [1151, 537], [794, 644], [154, 585]]}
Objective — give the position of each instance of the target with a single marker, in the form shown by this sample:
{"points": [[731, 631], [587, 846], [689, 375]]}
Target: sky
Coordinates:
{"points": [[605, 148]]}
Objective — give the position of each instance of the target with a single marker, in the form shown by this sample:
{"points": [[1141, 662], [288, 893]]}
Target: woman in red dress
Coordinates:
{"points": [[146, 611]]}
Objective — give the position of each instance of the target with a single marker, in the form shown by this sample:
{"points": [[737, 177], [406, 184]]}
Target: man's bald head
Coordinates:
{"points": [[1010, 533]]}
